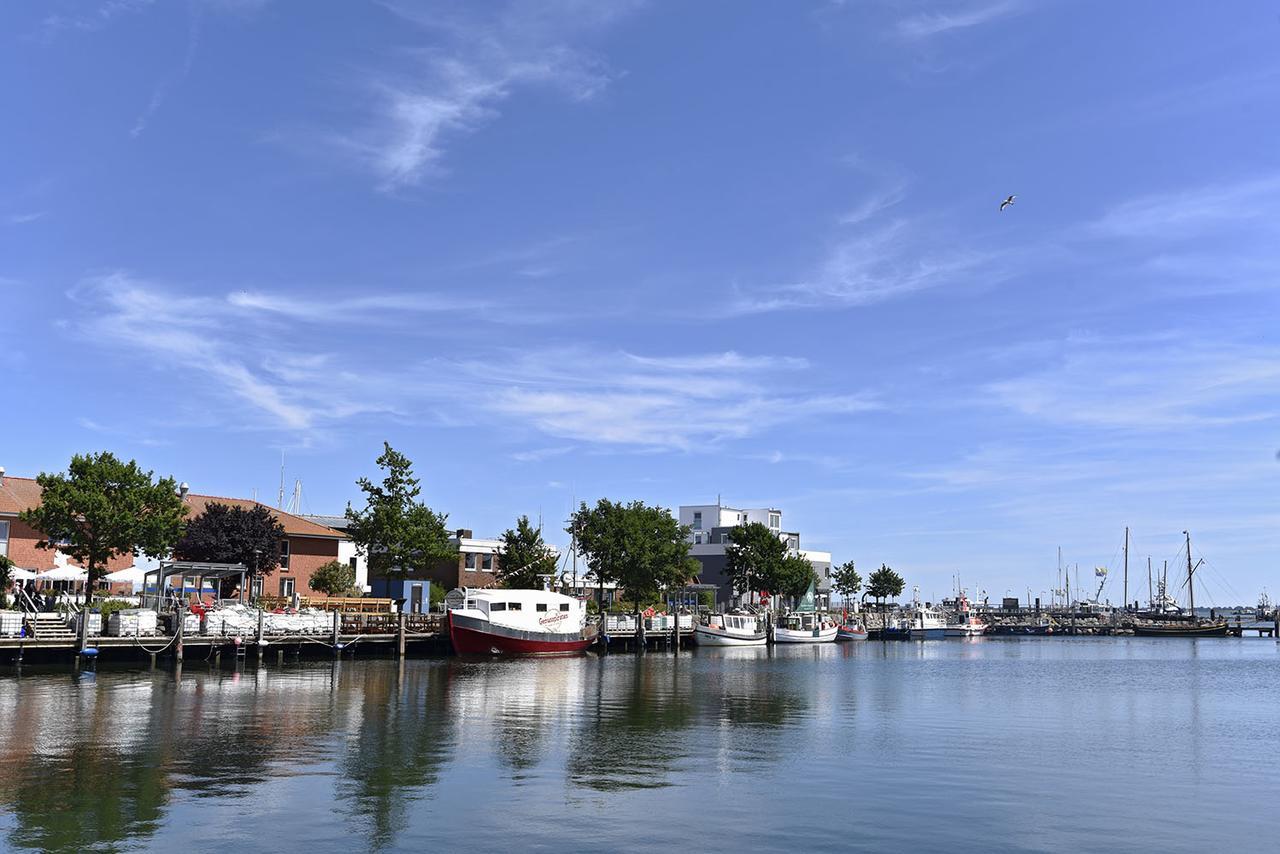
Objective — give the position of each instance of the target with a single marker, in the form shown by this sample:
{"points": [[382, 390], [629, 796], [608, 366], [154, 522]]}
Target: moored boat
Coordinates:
{"points": [[927, 622], [517, 622], [730, 630], [1205, 629], [805, 627], [966, 623]]}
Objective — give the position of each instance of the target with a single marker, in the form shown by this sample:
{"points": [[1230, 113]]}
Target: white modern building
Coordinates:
{"points": [[710, 525], [347, 552]]}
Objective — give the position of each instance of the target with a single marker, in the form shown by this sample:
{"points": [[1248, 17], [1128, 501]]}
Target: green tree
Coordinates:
{"points": [[884, 584], [103, 508], [524, 557], [6, 578], [643, 549], [758, 560], [227, 534], [334, 579], [845, 580], [395, 530]]}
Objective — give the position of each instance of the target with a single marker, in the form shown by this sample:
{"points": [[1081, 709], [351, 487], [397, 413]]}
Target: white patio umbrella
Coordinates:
{"points": [[132, 575], [64, 573], [17, 573]]}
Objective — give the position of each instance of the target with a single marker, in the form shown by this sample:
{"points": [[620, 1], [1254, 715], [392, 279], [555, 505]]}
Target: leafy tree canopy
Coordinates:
{"points": [[229, 534], [395, 530], [643, 549], [884, 583], [845, 580], [334, 579], [524, 557], [103, 508], [758, 560]]}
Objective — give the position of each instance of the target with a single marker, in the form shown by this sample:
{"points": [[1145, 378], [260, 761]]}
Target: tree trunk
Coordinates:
{"points": [[89, 583]]}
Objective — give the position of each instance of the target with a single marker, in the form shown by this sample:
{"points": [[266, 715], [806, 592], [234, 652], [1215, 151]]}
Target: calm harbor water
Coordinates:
{"points": [[1029, 744]]}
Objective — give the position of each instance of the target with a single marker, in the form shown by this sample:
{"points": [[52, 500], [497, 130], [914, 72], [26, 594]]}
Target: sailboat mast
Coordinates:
{"points": [[1126, 567], [1148, 581], [1191, 588]]}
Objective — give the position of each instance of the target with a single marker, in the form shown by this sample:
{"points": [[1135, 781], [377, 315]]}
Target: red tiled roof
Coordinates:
{"points": [[22, 493], [294, 526], [18, 494]]}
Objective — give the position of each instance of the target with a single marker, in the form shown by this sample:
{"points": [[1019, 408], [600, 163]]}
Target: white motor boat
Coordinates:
{"points": [[805, 627], [730, 630], [968, 627], [926, 621], [966, 623]]}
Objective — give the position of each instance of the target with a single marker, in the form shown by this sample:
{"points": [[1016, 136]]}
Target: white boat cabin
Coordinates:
{"points": [[530, 610]]}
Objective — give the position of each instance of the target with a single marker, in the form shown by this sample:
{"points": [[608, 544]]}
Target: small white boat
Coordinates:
{"points": [[805, 627], [966, 623], [927, 622], [730, 630], [968, 627], [851, 628]]}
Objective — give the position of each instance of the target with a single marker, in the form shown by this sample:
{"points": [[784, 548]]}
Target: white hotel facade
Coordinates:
{"points": [[709, 534]]}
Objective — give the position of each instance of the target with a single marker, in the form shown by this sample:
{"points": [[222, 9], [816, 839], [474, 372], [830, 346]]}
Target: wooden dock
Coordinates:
{"points": [[350, 633]]}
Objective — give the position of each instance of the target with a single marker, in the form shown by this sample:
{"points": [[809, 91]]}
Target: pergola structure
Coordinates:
{"points": [[201, 570]]}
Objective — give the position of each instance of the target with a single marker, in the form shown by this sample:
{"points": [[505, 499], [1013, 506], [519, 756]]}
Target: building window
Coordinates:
{"points": [[4, 537], [470, 560], [697, 539], [486, 562], [793, 543], [352, 562], [286, 588], [255, 588], [697, 520], [775, 520], [284, 554]]}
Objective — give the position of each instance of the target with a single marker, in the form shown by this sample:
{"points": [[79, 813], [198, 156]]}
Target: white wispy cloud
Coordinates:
{"points": [[458, 83], [873, 265], [318, 308], [206, 337], [24, 218], [683, 401], [1192, 211], [91, 16], [680, 402], [924, 25], [1149, 385], [172, 81]]}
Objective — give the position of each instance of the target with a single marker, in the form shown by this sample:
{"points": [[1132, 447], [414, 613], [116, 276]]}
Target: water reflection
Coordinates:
{"points": [[397, 734], [383, 755]]}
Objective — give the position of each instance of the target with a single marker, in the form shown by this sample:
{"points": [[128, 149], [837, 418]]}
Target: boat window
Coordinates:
{"points": [[513, 606], [541, 606], [497, 606], [564, 606]]}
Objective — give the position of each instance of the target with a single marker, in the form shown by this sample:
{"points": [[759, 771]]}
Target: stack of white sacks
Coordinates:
{"points": [[306, 622], [237, 620], [132, 623], [10, 624]]}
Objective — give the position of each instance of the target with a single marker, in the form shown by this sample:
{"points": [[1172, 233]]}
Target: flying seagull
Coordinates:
{"points": [[1007, 202]]}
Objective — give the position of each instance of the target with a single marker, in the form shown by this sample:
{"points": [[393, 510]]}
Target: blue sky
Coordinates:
{"points": [[667, 251]]}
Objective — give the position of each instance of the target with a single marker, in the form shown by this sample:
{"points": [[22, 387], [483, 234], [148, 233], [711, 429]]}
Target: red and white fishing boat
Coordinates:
{"points": [[851, 628], [517, 622]]}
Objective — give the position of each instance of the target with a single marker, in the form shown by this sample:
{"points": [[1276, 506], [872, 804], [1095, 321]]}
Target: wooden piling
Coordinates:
{"points": [[400, 634], [258, 644], [177, 646], [337, 626]]}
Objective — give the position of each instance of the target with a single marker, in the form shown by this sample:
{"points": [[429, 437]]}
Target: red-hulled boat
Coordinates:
{"points": [[517, 622]]}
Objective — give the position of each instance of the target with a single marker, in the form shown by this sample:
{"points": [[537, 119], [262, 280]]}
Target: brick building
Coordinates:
{"points": [[18, 539], [304, 548]]}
